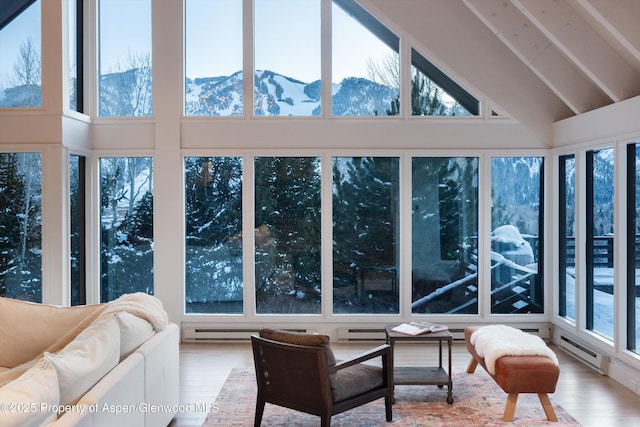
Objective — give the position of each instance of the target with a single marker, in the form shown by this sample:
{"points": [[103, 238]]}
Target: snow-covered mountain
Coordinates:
{"points": [[278, 95], [21, 96]]}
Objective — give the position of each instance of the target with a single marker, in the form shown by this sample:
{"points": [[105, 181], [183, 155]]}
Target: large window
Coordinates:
{"points": [[444, 235], [21, 225], [77, 209], [287, 63], [366, 63], [20, 53], [287, 58], [213, 235], [633, 246], [599, 247], [213, 57], [366, 211], [516, 237], [287, 235], [126, 226], [124, 58], [567, 237]]}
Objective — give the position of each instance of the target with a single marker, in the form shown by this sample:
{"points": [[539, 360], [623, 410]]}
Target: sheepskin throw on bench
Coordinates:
{"points": [[494, 341]]}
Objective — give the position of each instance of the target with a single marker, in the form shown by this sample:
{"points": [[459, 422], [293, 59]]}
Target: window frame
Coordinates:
{"points": [[562, 233], [632, 179]]}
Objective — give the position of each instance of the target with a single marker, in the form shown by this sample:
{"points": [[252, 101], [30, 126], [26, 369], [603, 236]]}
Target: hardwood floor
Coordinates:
{"points": [[594, 400]]}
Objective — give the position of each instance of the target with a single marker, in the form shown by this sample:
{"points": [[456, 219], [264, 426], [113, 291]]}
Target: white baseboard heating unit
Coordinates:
{"points": [[361, 334], [218, 334], [598, 362], [222, 334], [378, 334]]}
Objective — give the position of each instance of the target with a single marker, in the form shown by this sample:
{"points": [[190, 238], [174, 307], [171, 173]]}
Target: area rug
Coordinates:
{"points": [[478, 401]]}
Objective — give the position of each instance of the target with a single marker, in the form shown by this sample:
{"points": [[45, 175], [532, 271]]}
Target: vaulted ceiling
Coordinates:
{"points": [[539, 60]]}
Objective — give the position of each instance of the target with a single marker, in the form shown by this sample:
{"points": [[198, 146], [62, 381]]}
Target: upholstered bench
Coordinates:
{"points": [[519, 374]]}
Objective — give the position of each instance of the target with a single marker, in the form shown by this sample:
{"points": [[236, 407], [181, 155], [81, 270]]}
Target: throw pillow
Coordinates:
{"points": [[133, 332], [32, 398], [85, 360]]}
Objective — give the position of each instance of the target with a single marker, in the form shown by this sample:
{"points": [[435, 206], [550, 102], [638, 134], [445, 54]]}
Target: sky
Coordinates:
{"points": [[13, 35], [287, 38]]}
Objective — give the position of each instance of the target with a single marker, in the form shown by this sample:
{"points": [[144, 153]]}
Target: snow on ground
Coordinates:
{"points": [[603, 302]]}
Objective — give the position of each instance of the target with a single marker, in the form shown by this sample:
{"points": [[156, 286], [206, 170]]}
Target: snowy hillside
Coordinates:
{"points": [[278, 95]]}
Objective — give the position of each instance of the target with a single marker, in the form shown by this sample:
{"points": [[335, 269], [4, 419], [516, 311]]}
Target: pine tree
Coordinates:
{"points": [[288, 210], [365, 216], [213, 214], [20, 222]]}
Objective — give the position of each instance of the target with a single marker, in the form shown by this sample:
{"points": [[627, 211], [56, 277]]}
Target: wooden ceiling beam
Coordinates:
{"points": [[536, 51], [581, 44]]}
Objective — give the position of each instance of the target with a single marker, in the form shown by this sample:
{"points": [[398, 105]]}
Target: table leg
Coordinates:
{"points": [[391, 343], [450, 388]]}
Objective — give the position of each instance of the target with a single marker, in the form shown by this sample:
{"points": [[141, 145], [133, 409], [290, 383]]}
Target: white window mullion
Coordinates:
{"points": [[247, 57], [248, 239], [325, 57]]}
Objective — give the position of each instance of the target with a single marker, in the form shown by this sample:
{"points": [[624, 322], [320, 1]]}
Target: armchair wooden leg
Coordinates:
{"points": [[510, 408], [548, 407], [388, 405], [259, 411], [473, 363]]}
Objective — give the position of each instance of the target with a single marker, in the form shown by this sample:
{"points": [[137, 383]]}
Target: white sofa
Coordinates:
{"points": [[114, 364]]}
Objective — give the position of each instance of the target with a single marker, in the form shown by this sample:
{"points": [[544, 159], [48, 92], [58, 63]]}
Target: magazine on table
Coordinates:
{"points": [[419, 328]]}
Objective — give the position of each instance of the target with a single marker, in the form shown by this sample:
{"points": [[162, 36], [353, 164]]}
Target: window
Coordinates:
{"points": [[21, 223], [287, 58], [428, 95], [600, 241], [20, 50], [124, 59], [287, 235], [366, 229], [126, 226], [213, 233], [567, 237], [213, 58], [366, 63], [444, 235], [77, 206], [633, 246], [516, 237]]}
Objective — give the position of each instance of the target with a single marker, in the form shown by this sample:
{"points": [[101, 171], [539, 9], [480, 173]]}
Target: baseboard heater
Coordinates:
{"points": [[217, 334], [598, 362], [377, 334], [361, 334], [221, 334]]}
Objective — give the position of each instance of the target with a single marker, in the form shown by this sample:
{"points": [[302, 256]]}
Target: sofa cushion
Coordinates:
{"points": [[32, 397], [133, 332], [25, 340], [85, 360]]}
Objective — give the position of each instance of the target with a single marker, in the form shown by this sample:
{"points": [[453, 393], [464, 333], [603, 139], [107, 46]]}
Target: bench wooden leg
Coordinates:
{"points": [[473, 363], [547, 406], [510, 408]]}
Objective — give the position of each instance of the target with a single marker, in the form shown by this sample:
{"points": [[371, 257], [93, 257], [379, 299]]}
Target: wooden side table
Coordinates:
{"points": [[424, 375]]}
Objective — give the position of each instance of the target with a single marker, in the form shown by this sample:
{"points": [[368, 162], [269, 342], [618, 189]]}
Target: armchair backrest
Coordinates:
{"points": [[292, 375]]}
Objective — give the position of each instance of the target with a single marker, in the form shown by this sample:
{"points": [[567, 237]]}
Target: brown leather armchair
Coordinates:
{"points": [[299, 371]]}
